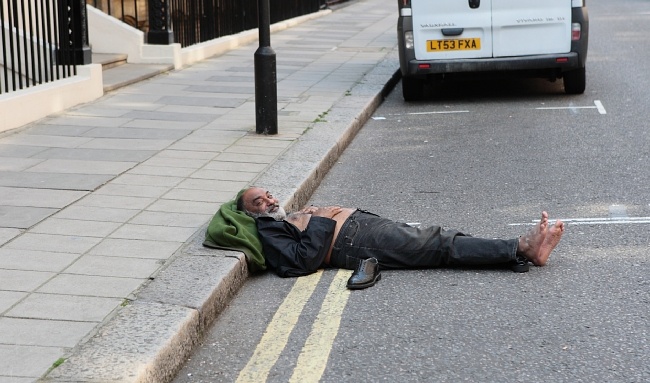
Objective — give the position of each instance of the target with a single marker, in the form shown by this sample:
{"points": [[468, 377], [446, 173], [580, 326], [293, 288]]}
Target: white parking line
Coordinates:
{"points": [[443, 112], [565, 107], [597, 105], [593, 221], [419, 113]]}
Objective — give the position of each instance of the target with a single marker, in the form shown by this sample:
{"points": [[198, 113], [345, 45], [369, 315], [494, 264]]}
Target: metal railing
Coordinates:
{"points": [[196, 21], [190, 22], [132, 12], [41, 42]]}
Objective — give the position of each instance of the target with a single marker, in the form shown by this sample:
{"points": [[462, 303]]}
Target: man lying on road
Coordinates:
{"points": [[318, 237]]}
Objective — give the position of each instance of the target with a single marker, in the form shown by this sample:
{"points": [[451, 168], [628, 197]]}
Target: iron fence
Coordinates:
{"points": [[132, 12], [193, 21], [39, 40], [196, 21]]}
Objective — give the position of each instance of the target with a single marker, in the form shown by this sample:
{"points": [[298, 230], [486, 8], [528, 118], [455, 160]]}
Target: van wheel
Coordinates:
{"points": [[575, 81], [412, 89]]}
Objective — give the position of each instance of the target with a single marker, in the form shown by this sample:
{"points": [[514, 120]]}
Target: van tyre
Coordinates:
{"points": [[412, 89], [575, 81]]}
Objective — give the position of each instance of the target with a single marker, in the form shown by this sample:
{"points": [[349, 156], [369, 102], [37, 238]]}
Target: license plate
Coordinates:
{"points": [[453, 45]]}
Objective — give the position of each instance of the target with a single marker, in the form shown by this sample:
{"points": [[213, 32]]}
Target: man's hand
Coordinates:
{"points": [[309, 210], [327, 211]]}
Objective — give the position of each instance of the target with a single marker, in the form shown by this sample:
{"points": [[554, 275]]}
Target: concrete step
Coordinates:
{"points": [[127, 74], [117, 72], [109, 60]]}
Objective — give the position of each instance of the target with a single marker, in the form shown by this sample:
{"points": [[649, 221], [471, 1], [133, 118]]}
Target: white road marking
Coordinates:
{"points": [[593, 221], [565, 107], [421, 113], [597, 105], [442, 112]]}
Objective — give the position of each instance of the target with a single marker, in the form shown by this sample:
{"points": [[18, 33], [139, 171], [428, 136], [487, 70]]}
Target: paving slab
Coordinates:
{"points": [[54, 181], [82, 167], [57, 130], [17, 196], [20, 217], [115, 189], [63, 226], [126, 143], [35, 260], [136, 248], [9, 299], [48, 333], [118, 155], [19, 151], [90, 286], [93, 213], [18, 164], [154, 233], [114, 266], [23, 280], [43, 140], [14, 368], [56, 243], [64, 307], [172, 219], [7, 234]]}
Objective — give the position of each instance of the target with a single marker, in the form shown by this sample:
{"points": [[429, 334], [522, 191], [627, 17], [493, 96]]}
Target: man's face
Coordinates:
{"points": [[261, 203]]}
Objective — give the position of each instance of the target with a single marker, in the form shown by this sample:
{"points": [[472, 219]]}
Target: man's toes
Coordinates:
{"points": [[544, 220]]}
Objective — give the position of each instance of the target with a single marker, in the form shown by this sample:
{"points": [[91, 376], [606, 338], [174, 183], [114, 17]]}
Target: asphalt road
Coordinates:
{"points": [[484, 157]]}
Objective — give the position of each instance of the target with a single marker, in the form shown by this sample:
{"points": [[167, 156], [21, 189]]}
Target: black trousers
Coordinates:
{"points": [[400, 246]]}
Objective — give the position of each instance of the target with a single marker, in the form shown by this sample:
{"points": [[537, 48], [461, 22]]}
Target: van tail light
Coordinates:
{"points": [[576, 31], [408, 40]]}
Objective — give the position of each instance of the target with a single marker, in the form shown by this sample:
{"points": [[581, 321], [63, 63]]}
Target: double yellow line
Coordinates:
{"points": [[313, 356]]}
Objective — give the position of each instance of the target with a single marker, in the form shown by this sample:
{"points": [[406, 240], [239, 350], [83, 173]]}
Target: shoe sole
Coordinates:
{"points": [[520, 267]]}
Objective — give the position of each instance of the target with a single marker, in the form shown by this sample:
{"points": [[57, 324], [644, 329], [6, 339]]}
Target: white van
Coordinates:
{"points": [[540, 38]]}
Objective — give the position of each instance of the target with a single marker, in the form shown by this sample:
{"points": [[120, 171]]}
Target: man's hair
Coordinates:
{"points": [[240, 204]]}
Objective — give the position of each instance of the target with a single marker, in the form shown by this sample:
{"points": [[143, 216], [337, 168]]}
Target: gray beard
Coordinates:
{"points": [[278, 215]]}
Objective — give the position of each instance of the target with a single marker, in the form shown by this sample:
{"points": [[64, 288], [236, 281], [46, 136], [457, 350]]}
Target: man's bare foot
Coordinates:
{"points": [[540, 241]]}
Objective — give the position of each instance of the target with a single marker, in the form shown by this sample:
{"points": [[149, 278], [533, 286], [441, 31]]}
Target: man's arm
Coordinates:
{"points": [[292, 252]]}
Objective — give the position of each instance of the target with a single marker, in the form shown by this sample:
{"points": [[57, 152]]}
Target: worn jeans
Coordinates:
{"points": [[400, 246]]}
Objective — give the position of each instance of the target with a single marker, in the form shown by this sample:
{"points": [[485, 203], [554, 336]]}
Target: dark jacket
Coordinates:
{"points": [[291, 252]]}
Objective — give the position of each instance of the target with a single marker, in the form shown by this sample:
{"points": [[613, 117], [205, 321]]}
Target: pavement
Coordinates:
{"points": [[104, 206]]}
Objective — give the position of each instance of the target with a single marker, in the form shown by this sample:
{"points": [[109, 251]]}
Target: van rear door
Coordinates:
{"points": [[530, 27], [450, 29], [453, 29]]}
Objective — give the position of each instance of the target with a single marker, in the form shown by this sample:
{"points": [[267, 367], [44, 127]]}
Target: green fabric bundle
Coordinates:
{"points": [[232, 229]]}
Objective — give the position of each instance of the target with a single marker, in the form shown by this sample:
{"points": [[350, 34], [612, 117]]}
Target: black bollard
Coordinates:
{"points": [[266, 91]]}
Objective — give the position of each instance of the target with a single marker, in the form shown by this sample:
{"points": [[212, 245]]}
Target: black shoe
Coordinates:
{"points": [[366, 275], [520, 265]]}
